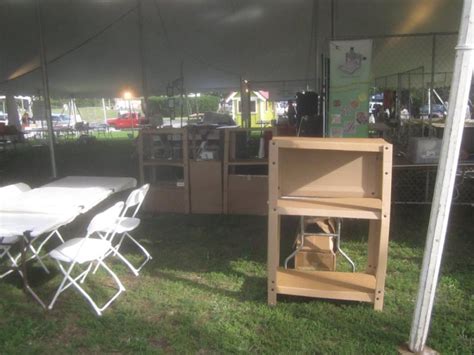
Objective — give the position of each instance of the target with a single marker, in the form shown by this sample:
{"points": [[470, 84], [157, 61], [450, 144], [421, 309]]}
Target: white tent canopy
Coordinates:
{"points": [[93, 45]]}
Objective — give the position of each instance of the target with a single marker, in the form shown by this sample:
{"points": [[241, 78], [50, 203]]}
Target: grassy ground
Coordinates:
{"points": [[92, 114], [205, 289], [96, 114]]}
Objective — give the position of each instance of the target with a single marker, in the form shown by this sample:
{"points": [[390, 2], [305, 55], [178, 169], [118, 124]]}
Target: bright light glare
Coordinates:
{"points": [[127, 95]]}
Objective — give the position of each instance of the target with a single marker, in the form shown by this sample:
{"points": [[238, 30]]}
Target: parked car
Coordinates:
{"points": [[437, 111], [127, 121], [61, 121]]}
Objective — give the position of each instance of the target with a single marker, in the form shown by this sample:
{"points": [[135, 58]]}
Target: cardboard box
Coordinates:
{"points": [[315, 260], [317, 254], [319, 243]]}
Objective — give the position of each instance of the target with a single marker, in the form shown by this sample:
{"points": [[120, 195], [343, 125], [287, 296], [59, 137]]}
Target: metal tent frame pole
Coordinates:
{"points": [[44, 74], [143, 58], [104, 110], [445, 178]]}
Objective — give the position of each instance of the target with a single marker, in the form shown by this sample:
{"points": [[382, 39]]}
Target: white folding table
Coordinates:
{"points": [[43, 210], [72, 193], [115, 184], [30, 226]]}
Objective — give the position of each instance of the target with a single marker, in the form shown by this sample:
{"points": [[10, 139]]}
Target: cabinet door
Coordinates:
{"points": [[206, 186]]}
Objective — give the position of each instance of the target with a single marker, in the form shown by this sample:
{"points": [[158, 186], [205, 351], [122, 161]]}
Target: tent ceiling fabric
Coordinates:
{"points": [[267, 42]]}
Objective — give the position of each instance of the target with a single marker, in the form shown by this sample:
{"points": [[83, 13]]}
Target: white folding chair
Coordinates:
{"points": [[87, 250], [128, 224]]}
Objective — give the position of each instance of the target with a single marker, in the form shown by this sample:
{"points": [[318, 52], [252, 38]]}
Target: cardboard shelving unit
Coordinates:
{"points": [[163, 154], [244, 193], [330, 177], [205, 169]]}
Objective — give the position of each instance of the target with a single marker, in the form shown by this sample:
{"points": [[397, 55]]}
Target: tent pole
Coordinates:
{"points": [[245, 102], [333, 19], [104, 110], [445, 178], [47, 103], [181, 92], [142, 57], [316, 46]]}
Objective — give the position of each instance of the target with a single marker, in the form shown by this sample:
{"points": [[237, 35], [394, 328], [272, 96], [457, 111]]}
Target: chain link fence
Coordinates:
{"points": [[415, 100], [414, 184]]}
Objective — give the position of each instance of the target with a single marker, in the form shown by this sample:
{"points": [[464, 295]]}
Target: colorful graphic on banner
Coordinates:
{"points": [[349, 88]]}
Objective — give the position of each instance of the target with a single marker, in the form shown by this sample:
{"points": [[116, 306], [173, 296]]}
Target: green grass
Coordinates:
{"points": [[205, 289], [92, 114]]}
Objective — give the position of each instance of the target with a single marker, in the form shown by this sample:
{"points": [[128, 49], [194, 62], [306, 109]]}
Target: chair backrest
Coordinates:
{"points": [[106, 220], [136, 198]]}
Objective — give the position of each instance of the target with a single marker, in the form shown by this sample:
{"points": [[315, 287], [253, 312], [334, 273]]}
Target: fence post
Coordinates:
{"points": [[430, 93]]}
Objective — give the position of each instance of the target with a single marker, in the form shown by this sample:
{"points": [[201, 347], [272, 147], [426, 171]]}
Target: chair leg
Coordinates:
{"points": [[61, 285], [117, 281], [5, 251], [119, 244], [147, 255], [126, 262], [56, 232], [73, 282], [6, 273], [102, 258], [83, 278], [36, 256]]}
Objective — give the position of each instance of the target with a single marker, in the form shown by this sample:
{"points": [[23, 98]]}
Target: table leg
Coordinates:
{"points": [[24, 244]]}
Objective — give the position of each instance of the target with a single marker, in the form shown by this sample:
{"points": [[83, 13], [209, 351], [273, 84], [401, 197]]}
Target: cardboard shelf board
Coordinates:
{"points": [[365, 208], [248, 162], [341, 144], [326, 284], [158, 162]]}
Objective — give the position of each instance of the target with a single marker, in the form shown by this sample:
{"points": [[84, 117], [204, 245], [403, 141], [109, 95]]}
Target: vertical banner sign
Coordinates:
{"points": [[349, 88]]}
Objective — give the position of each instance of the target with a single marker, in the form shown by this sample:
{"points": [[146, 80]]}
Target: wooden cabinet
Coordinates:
{"points": [[164, 163], [330, 177], [245, 179]]}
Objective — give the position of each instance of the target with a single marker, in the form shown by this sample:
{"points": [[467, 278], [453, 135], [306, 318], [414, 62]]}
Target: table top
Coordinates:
{"points": [[16, 223], [116, 184], [72, 194], [48, 207]]}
